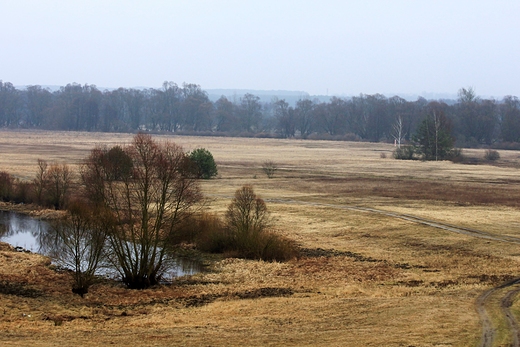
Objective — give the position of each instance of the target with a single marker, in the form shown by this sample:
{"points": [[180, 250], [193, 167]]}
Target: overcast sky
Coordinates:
{"points": [[334, 47]]}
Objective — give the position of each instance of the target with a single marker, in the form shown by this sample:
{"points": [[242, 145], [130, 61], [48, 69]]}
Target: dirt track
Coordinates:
{"points": [[488, 298], [506, 303], [410, 218], [491, 297]]}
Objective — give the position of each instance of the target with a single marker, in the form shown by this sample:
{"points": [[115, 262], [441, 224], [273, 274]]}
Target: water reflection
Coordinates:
{"points": [[37, 236], [23, 231]]}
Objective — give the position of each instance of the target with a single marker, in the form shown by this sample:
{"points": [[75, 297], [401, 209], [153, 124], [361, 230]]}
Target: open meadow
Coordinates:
{"points": [[394, 253]]}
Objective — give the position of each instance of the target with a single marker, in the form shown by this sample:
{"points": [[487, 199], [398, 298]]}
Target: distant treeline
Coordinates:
{"points": [[187, 109]]}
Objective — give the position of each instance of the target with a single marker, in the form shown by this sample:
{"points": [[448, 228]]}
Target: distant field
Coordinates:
{"points": [[367, 278]]}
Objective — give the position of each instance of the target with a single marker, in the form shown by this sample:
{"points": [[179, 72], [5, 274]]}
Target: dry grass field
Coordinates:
{"points": [[366, 277]]}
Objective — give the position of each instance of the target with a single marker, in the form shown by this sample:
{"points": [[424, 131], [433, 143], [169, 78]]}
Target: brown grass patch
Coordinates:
{"points": [[362, 280]]}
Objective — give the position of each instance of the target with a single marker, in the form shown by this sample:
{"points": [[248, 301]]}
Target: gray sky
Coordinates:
{"points": [[337, 47]]}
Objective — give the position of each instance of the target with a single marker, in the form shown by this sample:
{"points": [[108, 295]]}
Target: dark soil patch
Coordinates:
{"points": [[18, 289], [492, 279], [265, 292], [499, 192], [328, 253], [199, 300], [485, 279], [410, 283]]}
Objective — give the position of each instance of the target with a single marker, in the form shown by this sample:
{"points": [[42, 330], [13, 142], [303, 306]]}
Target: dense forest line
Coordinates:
{"points": [[186, 109]]}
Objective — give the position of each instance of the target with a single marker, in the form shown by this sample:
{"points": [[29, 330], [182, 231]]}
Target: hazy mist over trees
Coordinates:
{"points": [[187, 109]]}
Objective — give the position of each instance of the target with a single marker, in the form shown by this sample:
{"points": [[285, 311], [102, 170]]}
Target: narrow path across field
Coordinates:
{"points": [[506, 300], [485, 299], [410, 218], [506, 303]]}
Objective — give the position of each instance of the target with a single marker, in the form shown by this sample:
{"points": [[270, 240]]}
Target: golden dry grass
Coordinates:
{"points": [[380, 281]]}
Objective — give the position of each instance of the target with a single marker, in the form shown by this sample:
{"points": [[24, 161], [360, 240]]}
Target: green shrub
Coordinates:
{"points": [[204, 162], [119, 163]]}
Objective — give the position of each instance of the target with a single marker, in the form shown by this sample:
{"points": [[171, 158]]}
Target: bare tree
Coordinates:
{"points": [[249, 224], [57, 179], [250, 111], [269, 167], [398, 132], [144, 204], [77, 242], [304, 117], [247, 214], [286, 118], [40, 179]]}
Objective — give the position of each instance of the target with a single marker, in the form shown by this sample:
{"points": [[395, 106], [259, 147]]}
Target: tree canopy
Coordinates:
{"points": [[188, 109]]}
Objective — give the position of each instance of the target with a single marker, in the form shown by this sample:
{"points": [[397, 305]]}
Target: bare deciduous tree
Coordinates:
{"points": [[269, 167], [58, 179], [398, 132], [247, 213], [144, 204], [77, 242], [248, 222], [40, 180]]}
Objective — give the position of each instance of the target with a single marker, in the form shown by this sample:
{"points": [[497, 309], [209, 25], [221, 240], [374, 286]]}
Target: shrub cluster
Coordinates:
{"points": [[405, 152], [491, 155], [146, 195], [456, 156], [50, 187], [15, 190], [269, 167], [246, 231]]}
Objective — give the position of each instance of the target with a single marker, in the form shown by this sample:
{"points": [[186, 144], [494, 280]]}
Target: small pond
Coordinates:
{"points": [[29, 233], [22, 231]]}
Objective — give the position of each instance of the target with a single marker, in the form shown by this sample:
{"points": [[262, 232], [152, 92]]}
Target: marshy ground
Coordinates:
{"points": [[366, 276]]}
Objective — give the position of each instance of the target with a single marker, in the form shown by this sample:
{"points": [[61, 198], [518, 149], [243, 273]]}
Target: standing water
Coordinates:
{"points": [[30, 233], [22, 231]]}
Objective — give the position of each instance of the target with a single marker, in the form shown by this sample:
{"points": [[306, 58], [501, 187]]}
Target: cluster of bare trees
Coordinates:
{"points": [[49, 188], [142, 192], [128, 208], [187, 108], [124, 207]]}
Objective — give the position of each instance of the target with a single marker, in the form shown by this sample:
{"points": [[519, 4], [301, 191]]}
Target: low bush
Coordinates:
{"points": [[24, 192], [491, 155], [456, 156], [405, 153], [268, 246], [269, 167], [246, 232], [6, 186], [205, 230], [16, 190]]}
